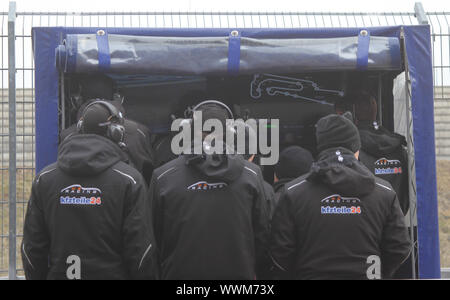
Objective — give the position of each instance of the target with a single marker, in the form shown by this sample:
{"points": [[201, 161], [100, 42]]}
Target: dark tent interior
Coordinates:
{"points": [[297, 100]]}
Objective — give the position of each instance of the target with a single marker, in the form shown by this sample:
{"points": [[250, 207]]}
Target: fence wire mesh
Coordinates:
{"points": [[25, 135]]}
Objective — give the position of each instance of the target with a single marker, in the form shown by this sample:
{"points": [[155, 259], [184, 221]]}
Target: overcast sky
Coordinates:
{"points": [[226, 5]]}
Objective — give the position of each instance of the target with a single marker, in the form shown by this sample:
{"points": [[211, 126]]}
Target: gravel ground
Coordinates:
{"points": [[443, 183]]}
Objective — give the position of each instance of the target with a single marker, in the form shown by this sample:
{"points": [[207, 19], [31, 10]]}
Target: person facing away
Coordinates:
{"points": [[382, 151], [340, 222], [210, 215], [294, 162], [137, 136], [88, 215]]}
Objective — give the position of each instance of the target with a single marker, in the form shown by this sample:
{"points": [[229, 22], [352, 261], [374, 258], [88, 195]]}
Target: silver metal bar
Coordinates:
{"points": [[3, 130], [420, 14], [222, 13], [411, 158], [63, 103], [380, 101], [12, 139]]}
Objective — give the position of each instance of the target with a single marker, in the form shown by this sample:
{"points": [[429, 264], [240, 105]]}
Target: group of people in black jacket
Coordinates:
{"points": [[212, 216]]}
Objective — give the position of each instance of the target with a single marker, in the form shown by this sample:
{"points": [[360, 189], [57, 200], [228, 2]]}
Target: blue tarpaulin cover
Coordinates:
{"points": [[131, 54], [239, 52]]}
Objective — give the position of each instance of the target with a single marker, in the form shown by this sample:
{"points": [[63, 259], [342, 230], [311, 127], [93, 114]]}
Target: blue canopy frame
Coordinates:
{"points": [[418, 54]]}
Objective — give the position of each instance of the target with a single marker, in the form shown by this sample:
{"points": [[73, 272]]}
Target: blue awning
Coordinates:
{"points": [[221, 55]]}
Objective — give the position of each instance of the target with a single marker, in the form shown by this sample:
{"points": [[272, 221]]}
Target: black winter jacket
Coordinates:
{"points": [[384, 154], [329, 222], [93, 205], [278, 189], [210, 218], [270, 197]]}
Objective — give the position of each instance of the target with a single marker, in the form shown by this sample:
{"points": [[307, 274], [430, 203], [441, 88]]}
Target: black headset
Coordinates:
{"points": [[114, 126], [219, 103], [190, 112], [230, 113]]}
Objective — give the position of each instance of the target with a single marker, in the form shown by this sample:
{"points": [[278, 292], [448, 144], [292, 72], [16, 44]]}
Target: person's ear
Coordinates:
{"points": [[357, 155]]}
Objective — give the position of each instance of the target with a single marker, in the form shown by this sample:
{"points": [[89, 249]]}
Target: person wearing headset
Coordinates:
{"points": [[137, 136], [88, 215], [136, 141], [210, 214]]}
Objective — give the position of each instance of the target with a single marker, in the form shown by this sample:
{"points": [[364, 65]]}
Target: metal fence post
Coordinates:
{"points": [[12, 138], [420, 14]]}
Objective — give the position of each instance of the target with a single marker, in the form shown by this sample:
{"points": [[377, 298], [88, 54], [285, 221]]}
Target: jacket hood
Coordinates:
{"points": [[342, 172], [88, 154], [379, 141], [217, 166]]}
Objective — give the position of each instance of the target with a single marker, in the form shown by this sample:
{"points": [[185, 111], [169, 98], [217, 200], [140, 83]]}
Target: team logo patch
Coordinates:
{"points": [[384, 166], [336, 204], [205, 186], [77, 195]]}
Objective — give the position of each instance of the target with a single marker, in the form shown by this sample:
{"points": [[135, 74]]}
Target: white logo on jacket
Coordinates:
{"points": [[78, 189], [384, 166], [338, 205], [386, 162], [336, 198], [205, 186]]}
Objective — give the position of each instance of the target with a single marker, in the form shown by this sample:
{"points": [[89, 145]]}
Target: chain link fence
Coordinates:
{"points": [[17, 169]]}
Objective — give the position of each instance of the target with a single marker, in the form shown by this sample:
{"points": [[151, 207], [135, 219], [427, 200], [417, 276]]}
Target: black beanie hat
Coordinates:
{"points": [[93, 116], [337, 131], [294, 161]]}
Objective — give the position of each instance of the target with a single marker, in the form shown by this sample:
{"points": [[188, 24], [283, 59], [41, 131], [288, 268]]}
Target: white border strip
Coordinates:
{"points": [[161, 175], [292, 186], [132, 179], [251, 170], [383, 186]]}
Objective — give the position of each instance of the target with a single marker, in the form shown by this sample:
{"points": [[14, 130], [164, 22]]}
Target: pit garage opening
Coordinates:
{"points": [[294, 75]]}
